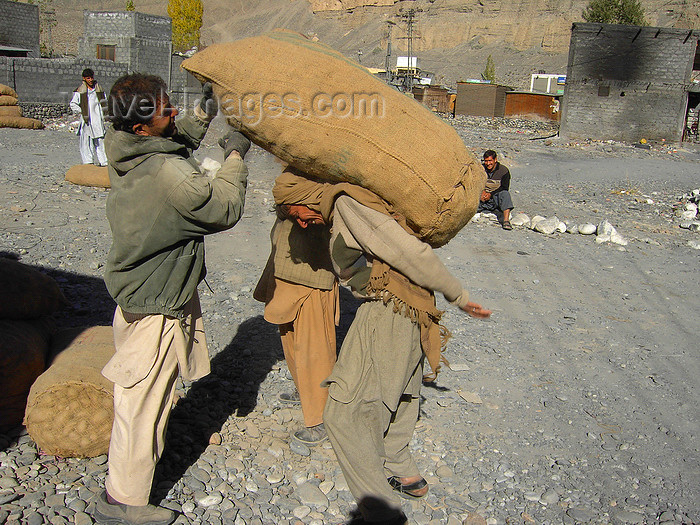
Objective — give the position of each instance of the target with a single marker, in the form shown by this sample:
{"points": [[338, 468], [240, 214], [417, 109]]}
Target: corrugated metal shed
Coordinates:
{"points": [[523, 104], [436, 98], [481, 100]]}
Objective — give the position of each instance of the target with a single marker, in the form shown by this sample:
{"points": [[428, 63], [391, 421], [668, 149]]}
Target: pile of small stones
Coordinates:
{"points": [[44, 111], [604, 231]]}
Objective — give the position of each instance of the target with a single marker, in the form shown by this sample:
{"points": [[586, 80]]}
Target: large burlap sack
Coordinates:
{"points": [[8, 100], [329, 117], [7, 90], [70, 407], [20, 123], [88, 175], [23, 349], [10, 111], [26, 293]]}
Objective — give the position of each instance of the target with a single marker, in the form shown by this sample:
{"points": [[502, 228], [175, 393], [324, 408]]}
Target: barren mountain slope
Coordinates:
{"points": [[452, 38]]}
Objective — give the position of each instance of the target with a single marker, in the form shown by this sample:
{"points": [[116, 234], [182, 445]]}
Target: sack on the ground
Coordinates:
{"points": [[70, 407], [10, 111], [8, 100], [26, 293], [330, 118], [88, 175], [7, 90], [23, 349], [20, 123]]}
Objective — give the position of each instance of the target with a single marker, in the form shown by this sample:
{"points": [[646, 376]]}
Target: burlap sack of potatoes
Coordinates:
{"points": [[88, 175], [10, 111], [70, 408], [23, 348], [7, 90], [329, 117], [8, 100], [26, 293], [20, 123]]}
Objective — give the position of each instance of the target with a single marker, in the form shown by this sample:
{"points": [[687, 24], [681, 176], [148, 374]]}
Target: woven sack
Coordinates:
{"points": [[8, 100], [21, 123], [329, 117], [23, 349], [7, 90], [70, 407], [10, 111], [88, 175], [26, 293]]}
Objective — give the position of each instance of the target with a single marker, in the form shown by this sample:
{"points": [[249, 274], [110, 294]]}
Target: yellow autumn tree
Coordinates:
{"points": [[187, 20]]}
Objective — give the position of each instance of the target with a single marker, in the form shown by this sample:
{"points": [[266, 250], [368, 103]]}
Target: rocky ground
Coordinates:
{"points": [[575, 403]]}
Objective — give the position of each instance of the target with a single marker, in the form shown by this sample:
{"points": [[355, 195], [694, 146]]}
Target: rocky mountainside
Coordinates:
{"points": [[451, 38]]}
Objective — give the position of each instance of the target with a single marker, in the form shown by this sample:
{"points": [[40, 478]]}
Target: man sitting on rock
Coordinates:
{"points": [[495, 197]]}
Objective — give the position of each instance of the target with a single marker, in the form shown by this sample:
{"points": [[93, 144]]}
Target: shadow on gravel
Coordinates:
{"points": [[231, 389]]}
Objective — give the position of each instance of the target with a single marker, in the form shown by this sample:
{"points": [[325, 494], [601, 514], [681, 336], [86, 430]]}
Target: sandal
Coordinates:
{"points": [[507, 225], [408, 490]]}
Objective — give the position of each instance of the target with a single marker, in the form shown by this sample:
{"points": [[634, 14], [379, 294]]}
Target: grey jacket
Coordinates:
{"points": [[159, 209]]}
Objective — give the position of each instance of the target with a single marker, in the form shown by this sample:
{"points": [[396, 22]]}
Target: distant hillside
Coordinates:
{"points": [[453, 38]]}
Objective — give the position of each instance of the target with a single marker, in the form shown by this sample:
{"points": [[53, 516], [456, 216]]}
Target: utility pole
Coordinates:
{"points": [[387, 60], [409, 16]]}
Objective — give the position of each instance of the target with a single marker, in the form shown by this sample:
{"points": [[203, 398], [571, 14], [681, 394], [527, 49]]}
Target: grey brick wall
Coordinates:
{"points": [[53, 80], [627, 82], [19, 26]]}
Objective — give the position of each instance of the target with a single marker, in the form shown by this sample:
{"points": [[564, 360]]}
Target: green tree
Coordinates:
{"points": [[490, 70], [627, 12], [130, 5], [187, 20]]}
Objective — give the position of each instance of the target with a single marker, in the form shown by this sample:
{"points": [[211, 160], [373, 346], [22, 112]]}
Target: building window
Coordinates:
{"points": [[105, 52]]}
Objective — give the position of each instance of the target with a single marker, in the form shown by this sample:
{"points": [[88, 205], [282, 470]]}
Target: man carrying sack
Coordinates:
{"points": [[159, 209], [374, 388], [300, 292]]}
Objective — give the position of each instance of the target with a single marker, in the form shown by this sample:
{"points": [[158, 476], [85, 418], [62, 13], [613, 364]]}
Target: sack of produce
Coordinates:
{"points": [[26, 293], [89, 175], [23, 349], [330, 118], [70, 409]]}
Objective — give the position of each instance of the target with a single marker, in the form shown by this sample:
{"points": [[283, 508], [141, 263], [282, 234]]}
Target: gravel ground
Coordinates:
{"points": [[575, 403]]}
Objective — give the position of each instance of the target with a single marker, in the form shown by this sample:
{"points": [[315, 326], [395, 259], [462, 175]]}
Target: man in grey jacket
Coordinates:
{"points": [[159, 209]]}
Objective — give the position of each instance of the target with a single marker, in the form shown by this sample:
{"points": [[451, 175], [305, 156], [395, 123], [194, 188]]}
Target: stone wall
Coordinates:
{"points": [[142, 41], [53, 80], [19, 26], [627, 82]]}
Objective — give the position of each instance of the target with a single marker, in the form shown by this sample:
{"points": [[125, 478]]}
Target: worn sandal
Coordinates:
{"points": [[507, 225], [408, 490]]}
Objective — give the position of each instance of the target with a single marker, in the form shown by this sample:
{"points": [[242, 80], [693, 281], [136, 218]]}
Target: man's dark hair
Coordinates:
{"points": [[489, 153], [133, 100], [87, 72]]}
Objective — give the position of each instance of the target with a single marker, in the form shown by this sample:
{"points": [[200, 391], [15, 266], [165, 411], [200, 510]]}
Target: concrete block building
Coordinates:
{"points": [[143, 42], [19, 29], [629, 83]]}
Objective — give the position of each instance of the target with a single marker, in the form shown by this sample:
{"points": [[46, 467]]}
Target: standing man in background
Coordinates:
{"points": [[87, 100]]}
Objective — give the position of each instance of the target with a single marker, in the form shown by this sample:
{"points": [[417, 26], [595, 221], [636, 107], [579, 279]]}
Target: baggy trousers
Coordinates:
{"points": [[373, 406], [150, 352], [92, 150], [309, 349]]}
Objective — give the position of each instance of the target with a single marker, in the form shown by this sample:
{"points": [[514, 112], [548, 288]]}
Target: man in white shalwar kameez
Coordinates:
{"points": [[87, 100]]}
